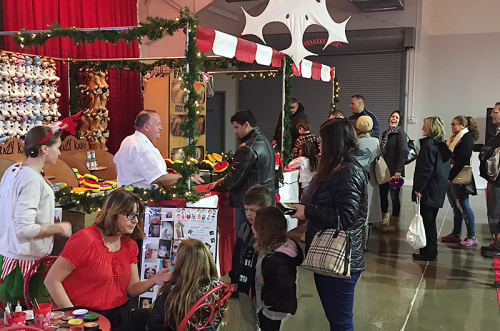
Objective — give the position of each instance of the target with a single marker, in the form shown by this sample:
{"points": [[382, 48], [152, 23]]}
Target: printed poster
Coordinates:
{"points": [[165, 229]]}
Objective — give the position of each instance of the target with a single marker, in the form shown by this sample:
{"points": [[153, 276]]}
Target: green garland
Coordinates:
{"points": [[154, 28], [287, 136], [92, 202], [336, 100]]}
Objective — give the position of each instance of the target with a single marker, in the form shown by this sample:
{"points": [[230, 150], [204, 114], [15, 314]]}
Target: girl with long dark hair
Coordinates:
{"points": [[338, 192]]}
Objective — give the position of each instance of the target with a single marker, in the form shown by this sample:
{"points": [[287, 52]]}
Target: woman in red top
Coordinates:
{"points": [[98, 267]]}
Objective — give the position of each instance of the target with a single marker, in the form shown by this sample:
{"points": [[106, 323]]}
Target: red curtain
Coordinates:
{"points": [[125, 91]]}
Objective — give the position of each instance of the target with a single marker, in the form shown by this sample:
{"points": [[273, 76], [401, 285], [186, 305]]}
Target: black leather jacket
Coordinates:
{"points": [[345, 194], [253, 163]]}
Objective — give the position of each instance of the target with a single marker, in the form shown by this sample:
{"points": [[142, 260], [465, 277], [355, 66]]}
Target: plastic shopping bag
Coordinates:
{"points": [[416, 233]]}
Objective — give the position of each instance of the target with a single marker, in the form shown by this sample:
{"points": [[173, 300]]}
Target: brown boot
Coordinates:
{"points": [[385, 221], [393, 225]]}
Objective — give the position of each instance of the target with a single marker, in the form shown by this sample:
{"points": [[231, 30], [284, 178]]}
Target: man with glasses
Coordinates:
{"points": [[493, 190]]}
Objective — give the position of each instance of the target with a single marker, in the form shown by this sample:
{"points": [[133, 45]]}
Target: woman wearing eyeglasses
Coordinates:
{"points": [[98, 267]]}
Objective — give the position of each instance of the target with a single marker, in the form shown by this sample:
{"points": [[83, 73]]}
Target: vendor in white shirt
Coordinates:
{"points": [[138, 162]]}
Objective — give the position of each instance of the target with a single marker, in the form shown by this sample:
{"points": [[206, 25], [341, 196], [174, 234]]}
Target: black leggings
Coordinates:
{"points": [[267, 324], [384, 201]]}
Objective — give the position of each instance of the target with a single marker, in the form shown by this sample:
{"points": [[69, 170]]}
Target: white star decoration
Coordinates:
{"points": [[297, 15]]}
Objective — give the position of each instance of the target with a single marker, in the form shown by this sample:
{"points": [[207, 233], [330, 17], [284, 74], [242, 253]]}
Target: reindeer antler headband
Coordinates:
{"points": [[67, 124]]}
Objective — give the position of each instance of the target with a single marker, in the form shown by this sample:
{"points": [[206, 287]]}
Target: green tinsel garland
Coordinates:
{"points": [[287, 136]]}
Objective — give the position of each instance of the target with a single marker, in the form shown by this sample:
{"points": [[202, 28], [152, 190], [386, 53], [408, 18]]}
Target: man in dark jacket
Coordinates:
{"points": [[253, 163], [297, 115], [493, 190], [358, 109]]}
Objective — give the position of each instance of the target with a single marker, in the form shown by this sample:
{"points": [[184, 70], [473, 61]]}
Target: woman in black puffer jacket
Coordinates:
{"points": [[338, 190]]}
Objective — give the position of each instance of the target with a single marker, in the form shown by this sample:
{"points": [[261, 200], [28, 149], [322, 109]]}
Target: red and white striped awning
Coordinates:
{"points": [[229, 46]]}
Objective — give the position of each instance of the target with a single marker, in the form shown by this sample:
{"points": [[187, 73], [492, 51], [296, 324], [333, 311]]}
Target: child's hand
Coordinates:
{"points": [[300, 211]]}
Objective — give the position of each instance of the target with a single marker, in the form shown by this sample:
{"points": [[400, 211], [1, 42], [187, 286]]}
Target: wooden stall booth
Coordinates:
{"points": [[12, 152], [74, 153]]}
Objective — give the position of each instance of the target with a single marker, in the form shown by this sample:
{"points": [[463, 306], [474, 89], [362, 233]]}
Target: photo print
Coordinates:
{"points": [[145, 302], [154, 216], [175, 247], [164, 248], [179, 230], [167, 230], [150, 251], [150, 270]]}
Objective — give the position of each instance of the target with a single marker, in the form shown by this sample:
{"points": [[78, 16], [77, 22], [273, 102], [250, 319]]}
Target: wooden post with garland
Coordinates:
{"points": [[335, 96], [286, 146]]}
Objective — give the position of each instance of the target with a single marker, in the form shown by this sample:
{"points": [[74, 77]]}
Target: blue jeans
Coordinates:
{"points": [[337, 298], [459, 201], [239, 219], [384, 190]]}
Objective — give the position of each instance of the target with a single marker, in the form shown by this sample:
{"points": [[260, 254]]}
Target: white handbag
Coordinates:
{"points": [[416, 233], [382, 171]]}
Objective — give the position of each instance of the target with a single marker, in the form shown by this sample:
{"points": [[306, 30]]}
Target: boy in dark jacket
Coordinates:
{"points": [[245, 257]]}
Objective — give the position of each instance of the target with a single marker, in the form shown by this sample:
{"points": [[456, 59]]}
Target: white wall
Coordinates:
{"points": [[456, 62]]}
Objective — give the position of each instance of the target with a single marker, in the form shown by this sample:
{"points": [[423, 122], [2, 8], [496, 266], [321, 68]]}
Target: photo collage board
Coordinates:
{"points": [[165, 228]]}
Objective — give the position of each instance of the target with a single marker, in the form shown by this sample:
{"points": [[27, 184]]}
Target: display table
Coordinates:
{"points": [[103, 322]]}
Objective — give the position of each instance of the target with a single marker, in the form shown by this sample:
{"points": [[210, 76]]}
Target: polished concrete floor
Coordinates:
{"points": [[455, 293]]}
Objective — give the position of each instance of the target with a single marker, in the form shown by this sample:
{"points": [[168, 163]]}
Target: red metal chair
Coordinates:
{"points": [[227, 290], [48, 261]]}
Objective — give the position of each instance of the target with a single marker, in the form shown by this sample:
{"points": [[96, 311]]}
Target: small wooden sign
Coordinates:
{"points": [[71, 144], [12, 149]]}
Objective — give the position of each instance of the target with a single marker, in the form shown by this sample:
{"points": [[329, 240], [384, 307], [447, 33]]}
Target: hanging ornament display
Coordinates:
{"points": [[93, 95], [297, 15], [28, 94]]}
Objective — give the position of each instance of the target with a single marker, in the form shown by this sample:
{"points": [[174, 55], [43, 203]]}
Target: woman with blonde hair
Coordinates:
{"points": [[367, 140], [194, 275], [461, 143], [27, 207], [430, 181], [97, 268]]}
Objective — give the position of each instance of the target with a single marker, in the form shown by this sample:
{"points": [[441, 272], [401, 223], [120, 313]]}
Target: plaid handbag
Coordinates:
{"points": [[330, 253]]}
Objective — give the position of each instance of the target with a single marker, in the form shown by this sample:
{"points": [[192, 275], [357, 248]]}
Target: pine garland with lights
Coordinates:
{"points": [[287, 136], [154, 28], [91, 202], [333, 106]]}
